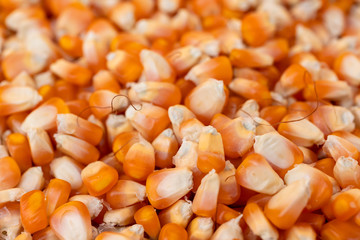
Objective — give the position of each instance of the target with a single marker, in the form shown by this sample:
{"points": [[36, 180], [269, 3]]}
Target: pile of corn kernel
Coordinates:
{"points": [[179, 119]]}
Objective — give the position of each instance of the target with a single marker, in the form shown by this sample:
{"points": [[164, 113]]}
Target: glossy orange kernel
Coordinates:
{"points": [[125, 193], [225, 213], [166, 186], [147, 217], [294, 79], [123, 142], [14, 99], [336, 147], [162, 94], [229, 191], [78, 127], [284, 208], [256, 28], [165, 146], [33, 211], [320, 185], [124, 66], [71, 72], [251, 58], [179, 213], [346, 172], [337, 229], [205, 200], [341, 67], [207, 99], [149, 120], [19, 149], [11, 174], [218, 68], [41, 148], [99, 178], [105, 80], [258, 223], [210, 151], [200, 228], [282, 157], [71, 219], [47, 112], [72, 45], [56, 194], [254, 170], [172, 231], [184, 58], [76, 148]]}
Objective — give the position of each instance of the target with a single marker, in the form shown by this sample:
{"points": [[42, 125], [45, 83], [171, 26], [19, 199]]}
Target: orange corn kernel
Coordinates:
{"points": [[179, 213], [11, 174], [250, 89], [166, 186], [162, 94], [41, 148], [345, 204], [71, 219], [177, 115], [185, 87], [104, 102], [33, 211], [156, 67], [277, 48], [125, 193], [342, 230], [32, 179], [46, 233], [300, 230], [115, 125], [93, 204], [273, 114], [282, 157], [329, 118], [207, 99], [71, 72], [336, 147], [19, 149], [294, 79], [172, 231], [122, 216], [71, 174], [24, 236], [251, 58], [76, 148], [351, 137], [47, 92], [10, 95], [95, 49], [139, 161], [72, 45], [99, 178], [13, 122], [191, 129], [284, 208], [258, 223], [328, 90], [205, 200], [47, 113], [347, 172], [123, 142], [150, 120], [105, 80], [341, 67], [320, 185], [218, 68], [123, 38], [210, 151], [184, 58], [251, 74], [326, 165], [255, 173], [18, 61], [229, 191], [230, 229], [237, 134], [256, 28], [225, 214], [205, 41], [147, 217], [79, 127], [65, 90], [123, 15], [124, 66], [302, 133], [200, 228], [56, 194], [165, 146]]}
